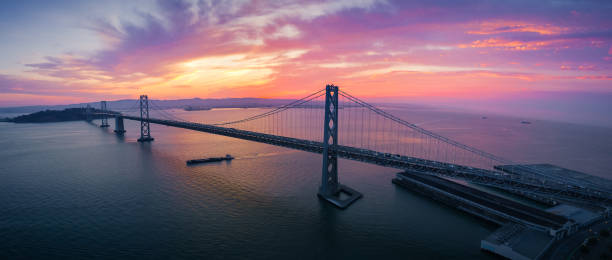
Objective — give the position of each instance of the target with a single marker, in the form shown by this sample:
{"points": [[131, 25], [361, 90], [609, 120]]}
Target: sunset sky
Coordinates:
{"points": [[57, 52]]}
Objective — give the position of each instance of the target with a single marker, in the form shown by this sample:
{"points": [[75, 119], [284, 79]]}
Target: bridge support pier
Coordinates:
{"points": [[331, 190], [119, 128], [145, 130]]}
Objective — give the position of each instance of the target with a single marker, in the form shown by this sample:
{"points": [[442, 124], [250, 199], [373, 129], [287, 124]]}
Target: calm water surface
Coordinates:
{"points": [[76, 190]]}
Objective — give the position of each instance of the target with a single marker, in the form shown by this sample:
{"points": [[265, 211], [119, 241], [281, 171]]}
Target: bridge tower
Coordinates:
{"points": [[330, 189], [145, 130], [119, 128], [103, 110], [88, 113]]}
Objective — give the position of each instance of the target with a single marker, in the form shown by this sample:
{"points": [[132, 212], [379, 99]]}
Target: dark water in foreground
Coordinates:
{"points": [[75, 190]]}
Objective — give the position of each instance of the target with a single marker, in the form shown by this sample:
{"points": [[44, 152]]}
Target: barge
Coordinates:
{"points": [[212, 159]]}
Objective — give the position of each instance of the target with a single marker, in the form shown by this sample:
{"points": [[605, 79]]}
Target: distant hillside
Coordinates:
{"points": [[70, 114]]}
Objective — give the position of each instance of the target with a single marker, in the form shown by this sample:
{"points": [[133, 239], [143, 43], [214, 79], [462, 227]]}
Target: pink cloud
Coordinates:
{"points": [[584, 67]]}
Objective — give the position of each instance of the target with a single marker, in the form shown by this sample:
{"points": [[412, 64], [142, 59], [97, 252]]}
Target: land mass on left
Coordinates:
{"points": [[47, 116]]}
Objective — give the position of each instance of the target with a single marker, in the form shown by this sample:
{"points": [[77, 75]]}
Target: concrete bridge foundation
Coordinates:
{"points": [[119, 128]]}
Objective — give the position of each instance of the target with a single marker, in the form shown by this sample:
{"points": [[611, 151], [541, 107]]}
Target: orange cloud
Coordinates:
{"points": [[495, 27], [514, 45], [595, 77]]}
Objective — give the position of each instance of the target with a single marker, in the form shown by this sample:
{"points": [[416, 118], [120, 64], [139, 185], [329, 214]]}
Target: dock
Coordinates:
{"points": [[482, 204], [526, 232]]}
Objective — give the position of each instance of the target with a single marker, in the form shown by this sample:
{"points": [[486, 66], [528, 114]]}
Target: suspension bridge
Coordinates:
{"points": [[337, 124]]}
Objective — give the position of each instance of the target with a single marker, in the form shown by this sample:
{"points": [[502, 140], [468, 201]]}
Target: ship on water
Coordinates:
{"points": [[212, 159]]}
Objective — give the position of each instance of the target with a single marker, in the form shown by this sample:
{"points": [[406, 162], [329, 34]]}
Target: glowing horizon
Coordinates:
{"points": [[76, 51]]}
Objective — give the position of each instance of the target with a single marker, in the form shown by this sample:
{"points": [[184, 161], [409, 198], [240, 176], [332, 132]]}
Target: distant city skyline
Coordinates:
{"points": [[60, 52]]}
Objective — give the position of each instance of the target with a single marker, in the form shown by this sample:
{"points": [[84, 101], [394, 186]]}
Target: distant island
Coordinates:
{"points": [[47, 116], [196, 108]]}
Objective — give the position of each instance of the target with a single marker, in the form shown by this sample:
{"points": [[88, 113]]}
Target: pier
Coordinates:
{"points": [[525, 232], [485, 205]]}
